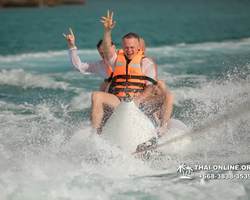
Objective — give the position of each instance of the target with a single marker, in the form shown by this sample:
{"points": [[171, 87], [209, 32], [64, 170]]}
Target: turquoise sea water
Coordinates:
{"points": [[202, 49]]}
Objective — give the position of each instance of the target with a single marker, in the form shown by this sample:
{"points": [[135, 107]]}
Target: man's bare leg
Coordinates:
{"points": [[164, 100], [98, 100], [167, 108], [168, 101]]}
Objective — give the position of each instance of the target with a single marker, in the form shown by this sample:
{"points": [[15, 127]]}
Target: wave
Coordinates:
{"points": [[206, 46], [178, 80], [211, 99], [37, 149], [24, 79], [81, 101], [213, 95], [48, 54]]}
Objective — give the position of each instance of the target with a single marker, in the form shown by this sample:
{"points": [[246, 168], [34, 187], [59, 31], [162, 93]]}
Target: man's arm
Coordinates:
{"points": [[97, 67], [149, 70], [106, 43]]}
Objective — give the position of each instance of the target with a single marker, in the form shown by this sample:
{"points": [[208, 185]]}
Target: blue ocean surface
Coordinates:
{"points": [[47, 150]]}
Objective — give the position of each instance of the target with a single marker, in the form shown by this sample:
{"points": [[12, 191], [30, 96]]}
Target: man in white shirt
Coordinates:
{"points": [[98, 67]]}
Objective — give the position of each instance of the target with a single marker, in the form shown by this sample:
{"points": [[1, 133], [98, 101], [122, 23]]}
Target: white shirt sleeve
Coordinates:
{"points": [[97, 67], [112, 61], [148, 69]]}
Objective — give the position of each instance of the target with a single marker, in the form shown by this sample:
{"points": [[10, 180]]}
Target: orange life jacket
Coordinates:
{"points": [[110, 70], [128, 78]]}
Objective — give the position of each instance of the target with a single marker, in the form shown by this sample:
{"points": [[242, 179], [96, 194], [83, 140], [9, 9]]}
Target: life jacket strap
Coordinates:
{"points": [[118, 90], [110, 78], [135, 77], [142, 85]]}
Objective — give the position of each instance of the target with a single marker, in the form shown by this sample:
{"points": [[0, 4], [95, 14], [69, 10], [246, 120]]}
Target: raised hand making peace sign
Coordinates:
{"points": [[70, 39], [107, 21]]}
